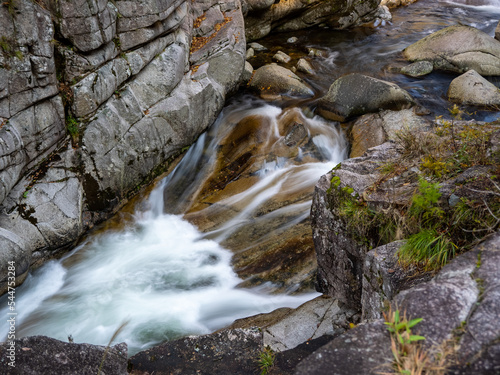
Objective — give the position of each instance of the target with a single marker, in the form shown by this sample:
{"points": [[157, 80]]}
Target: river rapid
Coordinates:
{"points": [[165, 277]]}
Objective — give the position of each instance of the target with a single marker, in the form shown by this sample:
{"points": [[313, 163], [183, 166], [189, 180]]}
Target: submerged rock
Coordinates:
{"points": [[458, 49], [471, 88], [275, 81], [282, 57], [418, 69], [304, 67], [356, 94]]}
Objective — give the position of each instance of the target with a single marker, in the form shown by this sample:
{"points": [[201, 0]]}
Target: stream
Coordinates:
{"points": [[166, 270]]}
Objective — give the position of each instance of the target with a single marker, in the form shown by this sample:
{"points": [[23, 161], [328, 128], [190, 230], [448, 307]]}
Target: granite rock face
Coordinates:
{"points": [[136, 82]]}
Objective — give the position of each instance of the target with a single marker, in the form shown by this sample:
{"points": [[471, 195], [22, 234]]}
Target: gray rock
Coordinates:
{"points": [[373, 129], [257, 47], [97, 87], [28, 72], [418, 69], [497, 32], [282, 57], [345, 100], [458, 49], [78, 65], [250, 53], [259, 4], [40, 355], [143, 14], [384, 278], [226, 352], [471, 88], [293, 39], [135, 37], [362, 350], [285, 329], [304, 67], [88, 24], [246, 76], [274, 81], [27, 138]]}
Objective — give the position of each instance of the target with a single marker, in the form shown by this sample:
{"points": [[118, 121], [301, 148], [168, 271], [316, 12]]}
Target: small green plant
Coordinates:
{"points": [[428, 248], [72, 126], [424, 202], [266, 360]]}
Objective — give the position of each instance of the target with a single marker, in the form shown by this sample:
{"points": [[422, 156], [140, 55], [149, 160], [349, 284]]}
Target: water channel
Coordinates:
{"points": [[168, 278]]}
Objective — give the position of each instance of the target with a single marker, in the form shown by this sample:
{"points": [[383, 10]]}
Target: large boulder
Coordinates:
{"points": [[471, 88], [356, 94], [363, 350], [233, 351], [285, 329], [40, 355], [458, 49], [459, 305], [275, 81]]}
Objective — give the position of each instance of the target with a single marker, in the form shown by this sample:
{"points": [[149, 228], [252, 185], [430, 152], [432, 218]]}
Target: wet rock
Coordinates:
{"points": [[257, 47], [304, 67], [296, 15], [374, 129], [259, 4], [344, 100], [313, 319], [315, 52], [362, 350], [293, 39], [233, 351], [471, 88], [418, 69], [384, 278], [458, 49], [282, 57], [274, 81], [40, 355]]}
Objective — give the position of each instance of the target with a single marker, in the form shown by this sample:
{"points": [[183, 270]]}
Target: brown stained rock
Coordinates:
{"points": [[275, 81]]}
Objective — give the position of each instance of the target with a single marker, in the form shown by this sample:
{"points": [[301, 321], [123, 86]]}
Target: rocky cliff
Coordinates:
{"points": [[96, 99]]}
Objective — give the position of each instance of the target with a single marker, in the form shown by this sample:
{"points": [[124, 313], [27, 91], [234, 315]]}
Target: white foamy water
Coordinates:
{"points": [[160, 274]]}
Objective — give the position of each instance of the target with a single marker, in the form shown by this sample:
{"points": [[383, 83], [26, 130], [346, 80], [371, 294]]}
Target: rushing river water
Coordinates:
{"points": [[162, 275]]}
